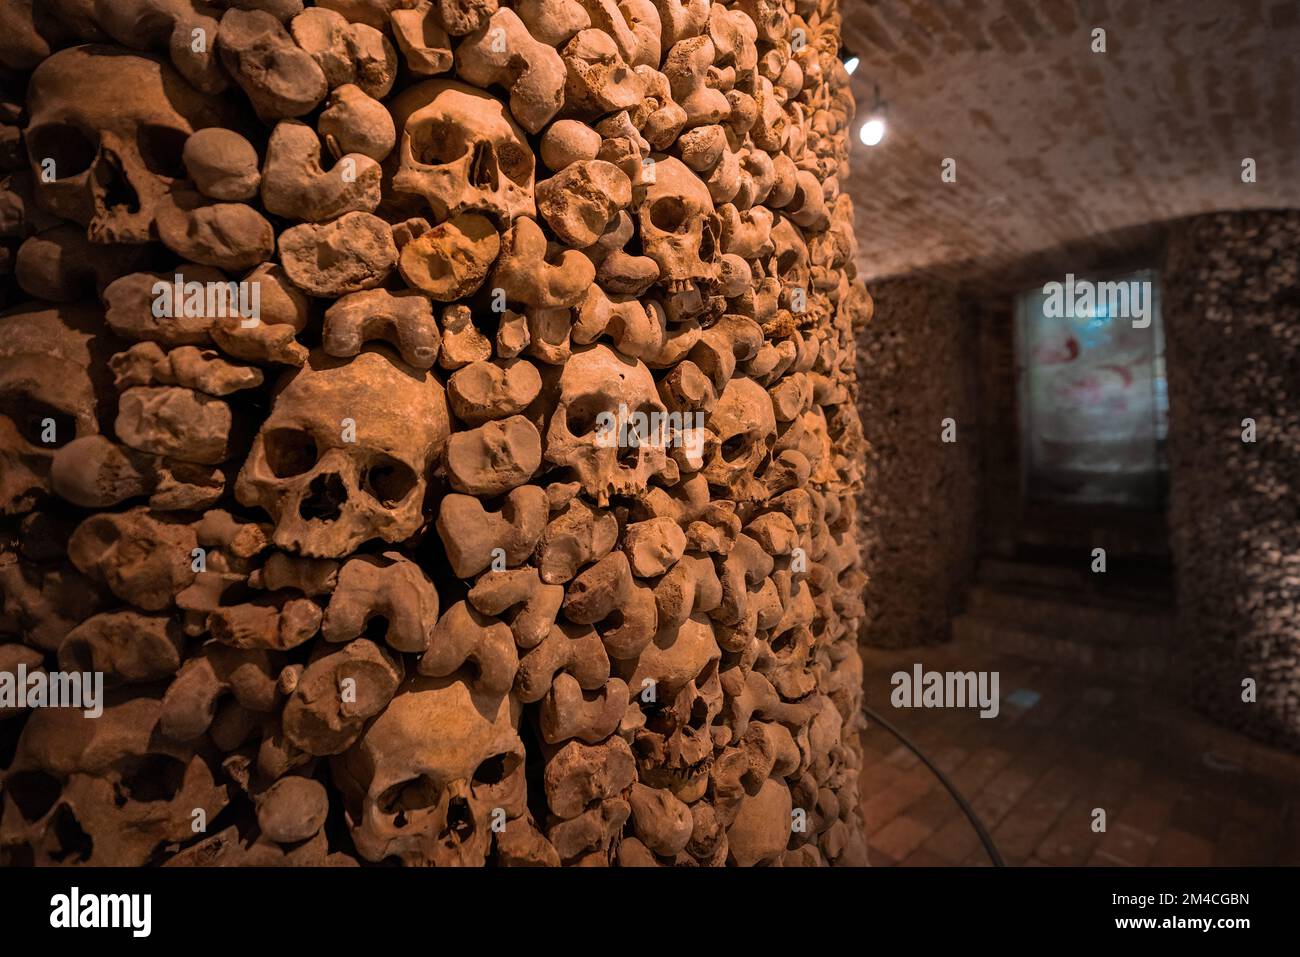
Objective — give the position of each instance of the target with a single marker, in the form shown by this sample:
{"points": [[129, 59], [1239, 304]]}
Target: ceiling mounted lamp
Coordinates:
{"points": [[873, 129], [850, 61]]}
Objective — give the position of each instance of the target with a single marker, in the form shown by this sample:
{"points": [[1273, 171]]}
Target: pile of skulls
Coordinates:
{"points": [[364, 574]]}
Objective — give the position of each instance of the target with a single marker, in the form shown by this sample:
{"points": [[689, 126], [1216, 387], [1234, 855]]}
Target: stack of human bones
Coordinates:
{"points": [[498, 507]]}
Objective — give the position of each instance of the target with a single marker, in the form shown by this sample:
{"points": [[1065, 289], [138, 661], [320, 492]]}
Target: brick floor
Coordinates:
{"points": [[1176, 789]]}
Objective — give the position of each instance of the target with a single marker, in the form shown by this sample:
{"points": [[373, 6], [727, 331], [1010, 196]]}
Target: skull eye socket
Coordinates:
{"points": [[515, 163], [160, 148], [37, 421], [388, 481], [71, 837], [155, 777], [71, 148], [413, 795], [735, 447], [289, 452], [34, 793], [495, 769], [668, 213], [436, 143], [583, 416]]}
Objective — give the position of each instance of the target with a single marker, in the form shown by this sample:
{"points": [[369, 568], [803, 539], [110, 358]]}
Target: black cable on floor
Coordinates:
{"points": [[956, 795]]}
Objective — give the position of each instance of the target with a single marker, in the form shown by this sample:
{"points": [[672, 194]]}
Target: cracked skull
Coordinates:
{"points": [[598, 387], [345, 455], [461, 152], [105, 138], [426, 778]]}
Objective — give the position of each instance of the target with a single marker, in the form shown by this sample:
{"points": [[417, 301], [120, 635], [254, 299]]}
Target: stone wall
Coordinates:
{"points": [[918, 512], [1232, 323]]}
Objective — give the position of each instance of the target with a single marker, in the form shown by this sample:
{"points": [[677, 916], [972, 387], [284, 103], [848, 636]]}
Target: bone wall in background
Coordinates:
{"points": [[363, 580], [1232, 332], [920, 499]]}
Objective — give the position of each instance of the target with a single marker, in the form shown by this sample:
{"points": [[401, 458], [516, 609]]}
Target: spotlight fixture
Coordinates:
{"points": [[850, 64], [873, 130]]}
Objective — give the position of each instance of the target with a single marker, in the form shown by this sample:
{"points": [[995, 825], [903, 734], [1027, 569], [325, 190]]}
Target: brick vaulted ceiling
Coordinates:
{"points": [[1056, 144]]}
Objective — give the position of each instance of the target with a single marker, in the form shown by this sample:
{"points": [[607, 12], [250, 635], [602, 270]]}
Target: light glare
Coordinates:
{"points": [[872, 132]]}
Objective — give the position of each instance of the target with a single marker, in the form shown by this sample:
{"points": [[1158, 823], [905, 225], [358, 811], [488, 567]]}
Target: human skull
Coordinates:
{"points": [[790, 260], [462, 152], [101, 791], [680, 230], [47, 395], [344, 456], [424, 781], [113, 124], [743, 427], [598, 387], [675, 748]]}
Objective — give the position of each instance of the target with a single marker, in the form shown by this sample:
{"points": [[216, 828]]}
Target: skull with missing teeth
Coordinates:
{"points": [[345, 455], [679, 228], [426, 778], [596, 428], [460, 151]]}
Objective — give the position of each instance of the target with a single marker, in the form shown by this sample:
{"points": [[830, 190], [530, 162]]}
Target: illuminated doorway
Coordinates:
{"points": [[1093, 399]]}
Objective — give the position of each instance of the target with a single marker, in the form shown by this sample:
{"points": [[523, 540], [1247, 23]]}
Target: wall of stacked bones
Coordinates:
{"points": [[919, 504], [1232, 332], [364, 581]]}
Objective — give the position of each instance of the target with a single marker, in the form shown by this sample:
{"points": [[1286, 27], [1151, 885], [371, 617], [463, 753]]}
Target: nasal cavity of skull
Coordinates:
{"points": [[151, 777], [71, 148], [648, 432], [117, 189], [708, 242], [483, 171], [289, 452], [388, 481], [700, 706], [324, 499], [161, 148], [460, 820], [74, 844], [38, 423], [668, 213]]}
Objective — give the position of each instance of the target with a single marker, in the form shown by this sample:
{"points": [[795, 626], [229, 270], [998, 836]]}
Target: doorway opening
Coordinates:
{"points": [[1093, 398]]}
